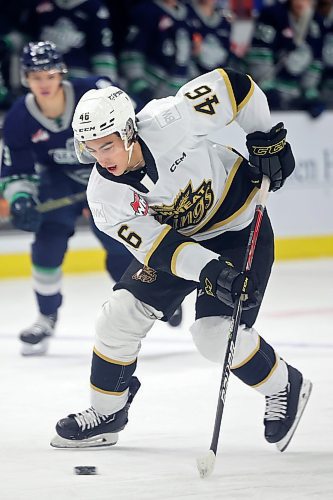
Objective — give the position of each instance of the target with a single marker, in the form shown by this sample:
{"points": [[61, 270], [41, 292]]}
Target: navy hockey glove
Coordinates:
{"points": [[24, 215], [271, 155], [220, 279]]}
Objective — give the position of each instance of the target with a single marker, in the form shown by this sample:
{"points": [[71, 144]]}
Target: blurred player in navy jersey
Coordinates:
{"points": [[211, 37], [155, 60], [80, 29], [286, 56], [38, 164]]}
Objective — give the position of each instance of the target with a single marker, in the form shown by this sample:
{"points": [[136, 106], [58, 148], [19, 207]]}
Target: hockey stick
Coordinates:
{"points": [[206, 463], [48, 206]]}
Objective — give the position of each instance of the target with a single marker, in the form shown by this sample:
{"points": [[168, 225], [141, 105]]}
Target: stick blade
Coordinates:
{"points": [[206, 464]]}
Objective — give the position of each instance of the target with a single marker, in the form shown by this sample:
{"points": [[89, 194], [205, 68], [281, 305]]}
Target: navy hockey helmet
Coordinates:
{"points": [[41, 56]]}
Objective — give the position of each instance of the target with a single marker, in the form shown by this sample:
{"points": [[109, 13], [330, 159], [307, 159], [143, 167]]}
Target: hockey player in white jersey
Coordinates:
{"points": [[183, 205]]}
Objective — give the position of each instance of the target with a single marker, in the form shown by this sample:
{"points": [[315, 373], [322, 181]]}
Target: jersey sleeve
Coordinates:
{"points": [[127, 219], [17, 172], [216, 99], [17, 156], [204, 106]]}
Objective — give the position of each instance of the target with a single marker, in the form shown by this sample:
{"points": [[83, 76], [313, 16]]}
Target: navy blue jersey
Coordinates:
{"points": [[34, 143], [158, 47], [328, 48], [81, 31], [211, 38], [282, 51]]}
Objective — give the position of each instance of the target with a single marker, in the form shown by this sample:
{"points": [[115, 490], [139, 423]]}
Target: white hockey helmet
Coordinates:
{"points": [[101, 112]]}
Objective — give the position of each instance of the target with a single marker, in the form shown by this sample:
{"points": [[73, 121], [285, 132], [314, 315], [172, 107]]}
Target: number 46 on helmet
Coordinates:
{"points": [[102, 112]]}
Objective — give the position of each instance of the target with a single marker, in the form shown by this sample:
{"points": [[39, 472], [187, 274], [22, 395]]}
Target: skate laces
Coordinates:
{"points": [[89, 418], [276, 405]]}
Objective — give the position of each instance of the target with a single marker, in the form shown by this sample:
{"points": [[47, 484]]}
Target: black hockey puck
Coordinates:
{"points": [[85, 470]]}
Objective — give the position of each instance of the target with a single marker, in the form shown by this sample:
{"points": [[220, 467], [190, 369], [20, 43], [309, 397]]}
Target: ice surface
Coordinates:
{"points": [[171, 419]]}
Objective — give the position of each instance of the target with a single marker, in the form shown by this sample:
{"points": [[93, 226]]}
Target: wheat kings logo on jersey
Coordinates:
{"points": [[146, 275], [189, 207]]}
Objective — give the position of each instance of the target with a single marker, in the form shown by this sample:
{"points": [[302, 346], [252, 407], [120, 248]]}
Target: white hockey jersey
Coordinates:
{"points": [[191, 188]]}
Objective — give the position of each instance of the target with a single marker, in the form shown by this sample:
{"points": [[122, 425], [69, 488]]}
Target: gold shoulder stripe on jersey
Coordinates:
{"points": [[248, 97], [230, 93]]}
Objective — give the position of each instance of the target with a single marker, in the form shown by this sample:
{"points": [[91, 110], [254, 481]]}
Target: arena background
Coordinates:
{"points": [[301, 213]]}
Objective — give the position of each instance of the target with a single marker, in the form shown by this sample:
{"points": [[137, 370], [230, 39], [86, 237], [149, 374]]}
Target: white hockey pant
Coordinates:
{"points": [[120, 327]]}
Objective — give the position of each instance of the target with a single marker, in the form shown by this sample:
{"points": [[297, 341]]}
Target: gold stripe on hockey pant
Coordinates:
{"points": [[110, 376], [230, 93]]}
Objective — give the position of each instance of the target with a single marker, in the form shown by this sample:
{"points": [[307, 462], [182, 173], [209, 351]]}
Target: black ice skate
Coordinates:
{"points": [[284, 409], [91, 429], [35, 339], [177, 317]]}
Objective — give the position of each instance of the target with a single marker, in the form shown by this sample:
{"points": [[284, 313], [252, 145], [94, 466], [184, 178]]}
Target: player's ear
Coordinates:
{"points": [[131, 132]]}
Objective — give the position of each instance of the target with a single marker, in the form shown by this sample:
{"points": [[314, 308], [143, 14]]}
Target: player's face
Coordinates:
{"points": [[110, 153], [44, 84]]}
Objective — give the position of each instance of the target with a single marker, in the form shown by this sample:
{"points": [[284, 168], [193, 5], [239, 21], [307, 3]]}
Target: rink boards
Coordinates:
{"points": [[301, 212]]}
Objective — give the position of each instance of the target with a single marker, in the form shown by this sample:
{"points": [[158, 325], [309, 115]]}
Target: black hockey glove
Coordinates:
{"points": [[271, 155], [24, 214], [220, 279]]}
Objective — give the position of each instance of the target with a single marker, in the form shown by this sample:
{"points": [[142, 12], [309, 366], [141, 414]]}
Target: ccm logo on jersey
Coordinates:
{"points": [[139, 205], [177, 162]]}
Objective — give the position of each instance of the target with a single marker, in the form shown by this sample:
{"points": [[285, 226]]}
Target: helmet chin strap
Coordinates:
{"points": [[130, 152]]}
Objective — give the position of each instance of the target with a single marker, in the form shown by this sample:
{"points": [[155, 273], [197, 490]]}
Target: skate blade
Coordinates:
{"points": [[303, 399], [93, 442], [35, 349]]}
